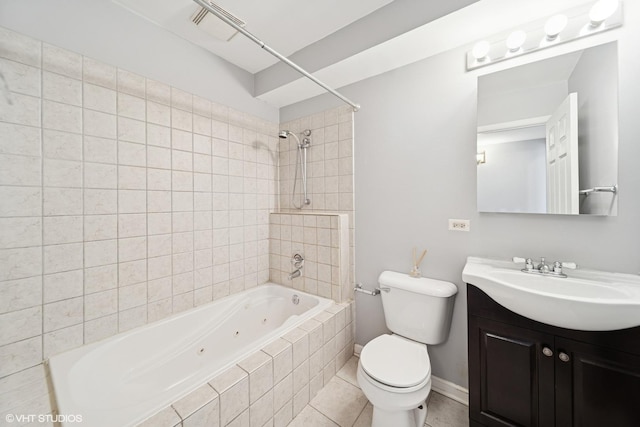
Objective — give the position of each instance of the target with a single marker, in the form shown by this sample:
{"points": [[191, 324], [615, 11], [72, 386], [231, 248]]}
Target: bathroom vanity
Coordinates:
{"points": [[527, 373]]}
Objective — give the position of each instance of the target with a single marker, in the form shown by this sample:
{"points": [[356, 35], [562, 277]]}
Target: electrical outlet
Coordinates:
{"points": [[459, 224]]}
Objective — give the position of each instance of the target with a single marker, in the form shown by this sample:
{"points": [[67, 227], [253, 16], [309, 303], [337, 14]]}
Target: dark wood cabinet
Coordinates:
{"points": [[526, 373]]}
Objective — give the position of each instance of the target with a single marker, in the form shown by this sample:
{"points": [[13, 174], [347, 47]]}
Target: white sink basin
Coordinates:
{"points": [[588, 300]]}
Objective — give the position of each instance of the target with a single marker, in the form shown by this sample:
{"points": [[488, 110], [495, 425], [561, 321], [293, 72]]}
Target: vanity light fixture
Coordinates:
{"points": [[554, 26], [602, 10], [515, 41], [567, 26], [480, 50]]}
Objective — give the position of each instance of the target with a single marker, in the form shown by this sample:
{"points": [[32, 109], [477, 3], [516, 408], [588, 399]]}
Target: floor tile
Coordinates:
{"points": [[364, 420], [445, 412], [340, 401], [348, 371], [309, 417]]}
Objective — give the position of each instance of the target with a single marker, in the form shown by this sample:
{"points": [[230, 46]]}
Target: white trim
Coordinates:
{"points": [[451, 390], [357, 349], [516, 124]]}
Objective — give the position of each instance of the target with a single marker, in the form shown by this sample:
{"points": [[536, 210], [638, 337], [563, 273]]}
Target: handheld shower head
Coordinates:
{"points": [[284, 134]]}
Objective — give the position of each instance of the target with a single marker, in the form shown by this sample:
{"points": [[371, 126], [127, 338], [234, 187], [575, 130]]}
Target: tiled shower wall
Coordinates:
{"points": [[323, 241], [122, 200], [330, 167]]}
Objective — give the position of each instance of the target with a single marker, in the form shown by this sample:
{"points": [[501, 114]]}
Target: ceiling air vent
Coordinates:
{"points": [[213, 25]]}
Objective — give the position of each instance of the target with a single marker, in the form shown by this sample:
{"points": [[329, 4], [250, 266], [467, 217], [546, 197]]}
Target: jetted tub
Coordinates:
{"points": [[129, 377]]}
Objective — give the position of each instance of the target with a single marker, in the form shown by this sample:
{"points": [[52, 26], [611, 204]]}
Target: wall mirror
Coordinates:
{"points": [[548, 135]]}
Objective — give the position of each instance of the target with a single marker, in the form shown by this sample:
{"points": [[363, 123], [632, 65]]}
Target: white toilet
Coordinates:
{"points": [[394, 371]]}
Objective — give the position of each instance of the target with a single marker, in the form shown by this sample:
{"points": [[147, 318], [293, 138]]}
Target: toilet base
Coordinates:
{"points": [[411, 418]]}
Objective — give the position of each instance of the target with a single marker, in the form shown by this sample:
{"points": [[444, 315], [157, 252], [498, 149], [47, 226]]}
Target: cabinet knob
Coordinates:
{"points": [[547, 352], [564, 357]]}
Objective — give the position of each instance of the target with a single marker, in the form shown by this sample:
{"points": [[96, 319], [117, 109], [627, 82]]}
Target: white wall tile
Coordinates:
{"points": [[61, 145], [63, 117], [20, 355], [158, 92], [19, 170], [61, 61], [98, 73], [132, 201], [131, 83], [131, 106], [20, 48], [25, 110], [100, 278], [131, 130], [20, 325], [100, 175], [63, 257], [132, 225], [100, 150], [96, 123], [100, 227], [62, 173], [63, 339], [20, 294], [21, 78], [63, 285], [131, 178], [61, 314], [62, 229], [100, 252], [56, 87], [20, 232], [158, 135], [99, 98], [100, 202]]}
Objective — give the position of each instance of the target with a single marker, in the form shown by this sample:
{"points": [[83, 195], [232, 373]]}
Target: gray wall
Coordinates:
{"points": [[514, 177], [102, 30], [414, 168], [597, 125]]}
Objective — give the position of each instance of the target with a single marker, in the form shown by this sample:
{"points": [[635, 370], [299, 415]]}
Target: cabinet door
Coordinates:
{"points": [[511, 380], [596, 386]]}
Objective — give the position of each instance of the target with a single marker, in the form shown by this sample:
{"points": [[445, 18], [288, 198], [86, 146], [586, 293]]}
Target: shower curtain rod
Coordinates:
{"points": [[284, 59]]}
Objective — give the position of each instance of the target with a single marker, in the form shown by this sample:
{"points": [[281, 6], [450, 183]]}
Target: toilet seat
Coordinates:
{"points": [[396, 361]]}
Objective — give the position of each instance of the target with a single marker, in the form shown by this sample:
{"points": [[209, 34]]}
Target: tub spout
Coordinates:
{"points": [[295, 274]]}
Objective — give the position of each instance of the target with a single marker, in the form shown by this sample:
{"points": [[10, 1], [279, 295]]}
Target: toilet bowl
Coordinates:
{"points": [[394, 373]]}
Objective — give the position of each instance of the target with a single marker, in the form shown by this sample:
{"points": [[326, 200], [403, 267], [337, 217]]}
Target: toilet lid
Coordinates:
{"points": [[396, 361]]}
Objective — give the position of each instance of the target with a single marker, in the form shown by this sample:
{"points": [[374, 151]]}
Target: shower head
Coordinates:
{"points": [[284, 134]]}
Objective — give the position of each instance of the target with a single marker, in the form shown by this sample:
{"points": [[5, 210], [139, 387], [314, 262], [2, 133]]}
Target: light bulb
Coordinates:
{"points": [[601, 11], [554, 26], [480, 50], [516, 40]]}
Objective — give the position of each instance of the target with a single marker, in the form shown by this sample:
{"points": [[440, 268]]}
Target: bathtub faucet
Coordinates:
{"points": [[297, 260], [295, 274]]}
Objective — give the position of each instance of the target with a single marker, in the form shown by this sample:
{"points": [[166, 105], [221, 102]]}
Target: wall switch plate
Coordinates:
{"points": [[459, 224]]}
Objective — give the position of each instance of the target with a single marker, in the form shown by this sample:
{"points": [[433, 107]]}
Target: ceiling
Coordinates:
{"points": [[285, 25], [343, 42]]}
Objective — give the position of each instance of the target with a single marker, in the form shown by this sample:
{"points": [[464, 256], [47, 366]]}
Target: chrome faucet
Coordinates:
{"points": [[297, 260], [543, 268]]}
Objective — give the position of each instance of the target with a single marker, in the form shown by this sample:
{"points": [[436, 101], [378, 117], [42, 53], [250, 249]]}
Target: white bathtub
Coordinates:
{"points": [[125, 379]]}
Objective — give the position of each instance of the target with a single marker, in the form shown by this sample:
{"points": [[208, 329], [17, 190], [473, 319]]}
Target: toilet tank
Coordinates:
{"points": [[417, 308]]}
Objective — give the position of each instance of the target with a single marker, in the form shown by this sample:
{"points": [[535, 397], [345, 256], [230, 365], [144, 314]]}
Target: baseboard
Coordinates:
{"points": [[451, 390], [357, 349], [444, 387]]}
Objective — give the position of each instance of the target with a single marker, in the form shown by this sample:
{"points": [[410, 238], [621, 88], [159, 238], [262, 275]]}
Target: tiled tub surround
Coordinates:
{"points": [[330, 166], [122, 201], [129, 377], [323, 240], [271, 386]]}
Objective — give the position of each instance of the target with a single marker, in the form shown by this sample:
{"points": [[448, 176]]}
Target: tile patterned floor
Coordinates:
{"points": [[341, 403]]}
